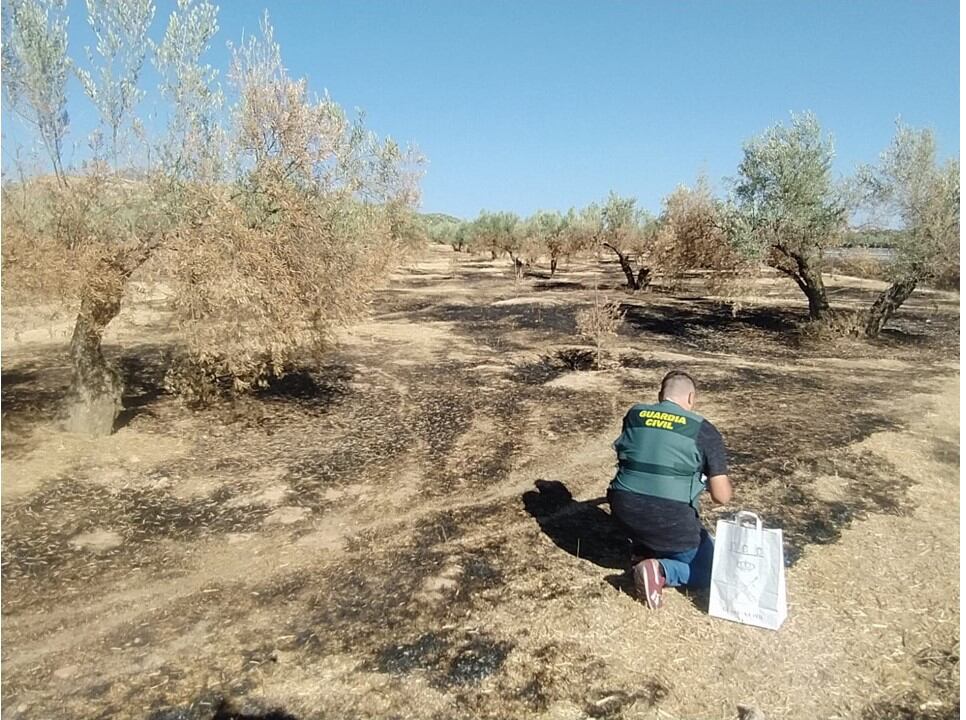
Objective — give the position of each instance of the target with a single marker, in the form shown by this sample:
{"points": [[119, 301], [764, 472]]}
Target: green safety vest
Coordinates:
{"points": [[657, 453]]}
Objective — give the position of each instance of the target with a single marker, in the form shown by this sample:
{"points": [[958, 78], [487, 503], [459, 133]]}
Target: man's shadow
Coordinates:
{"points": [[583, 529], [580, 528]]}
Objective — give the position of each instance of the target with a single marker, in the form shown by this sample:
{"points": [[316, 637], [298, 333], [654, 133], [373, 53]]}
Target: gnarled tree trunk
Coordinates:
{"points": [[634, 282], [814, 290], [808, 278], [628, 271], [94, 401], [643, 278], [886, 305]]}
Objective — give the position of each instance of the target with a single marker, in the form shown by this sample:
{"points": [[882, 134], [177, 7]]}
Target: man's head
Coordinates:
{"points": [[678, 387]]}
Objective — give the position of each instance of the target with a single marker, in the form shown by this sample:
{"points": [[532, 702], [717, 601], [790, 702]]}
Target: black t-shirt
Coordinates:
{"points": [[667, 526], [712, 449]]}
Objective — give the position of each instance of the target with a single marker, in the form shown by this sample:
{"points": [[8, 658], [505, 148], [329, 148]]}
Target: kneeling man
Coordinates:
{"points": [[666, 456]]}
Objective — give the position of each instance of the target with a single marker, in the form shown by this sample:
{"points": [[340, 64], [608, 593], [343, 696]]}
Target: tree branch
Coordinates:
{"points": [[611, 247]]}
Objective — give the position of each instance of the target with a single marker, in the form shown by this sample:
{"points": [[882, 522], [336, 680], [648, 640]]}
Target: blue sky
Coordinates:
{"points": [[528, 105]]}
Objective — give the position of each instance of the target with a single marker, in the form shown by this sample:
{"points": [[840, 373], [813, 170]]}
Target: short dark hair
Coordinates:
{"points": [[677, 379]]}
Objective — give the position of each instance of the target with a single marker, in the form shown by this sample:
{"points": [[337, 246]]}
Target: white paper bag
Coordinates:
{"points": [[748, 573]]}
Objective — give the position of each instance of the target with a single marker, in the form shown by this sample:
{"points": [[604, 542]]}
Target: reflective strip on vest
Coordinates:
{"points": [[682, 488]]}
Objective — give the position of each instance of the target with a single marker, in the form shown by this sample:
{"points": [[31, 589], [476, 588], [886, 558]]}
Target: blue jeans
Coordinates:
{"points": [[691, 568]]}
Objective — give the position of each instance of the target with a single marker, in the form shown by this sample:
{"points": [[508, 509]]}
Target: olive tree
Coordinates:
{"points": [[83, 239], [548, 231], [454, 234], [628, 232], [909, 185], [265, 254], [446, 230], [692, 237], [192, 143], [117, 226], [460, 236], [121, 29], [528, 247], [496, 233], [467, 238], [35, 71], [318, 209], [787, 209]]}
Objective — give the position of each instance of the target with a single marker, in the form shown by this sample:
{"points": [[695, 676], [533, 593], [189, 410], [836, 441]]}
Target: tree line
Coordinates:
{"points": [[784, 210]]}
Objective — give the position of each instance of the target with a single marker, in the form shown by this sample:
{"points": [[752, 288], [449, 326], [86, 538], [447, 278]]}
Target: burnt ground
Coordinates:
{"points": [[416, 528]]}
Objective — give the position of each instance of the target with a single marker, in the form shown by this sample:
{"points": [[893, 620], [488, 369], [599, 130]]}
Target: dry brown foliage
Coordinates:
{"points": [[265, 268], [62, 242], [692, 245], [265, 250], [834, 326], [252, 300]]}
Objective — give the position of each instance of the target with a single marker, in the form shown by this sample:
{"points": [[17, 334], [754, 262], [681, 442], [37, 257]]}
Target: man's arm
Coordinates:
{"points": [[712, 447], [720, 488]]}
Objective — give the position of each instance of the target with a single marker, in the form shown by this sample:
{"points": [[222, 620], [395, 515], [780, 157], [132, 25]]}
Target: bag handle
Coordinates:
{"points": [[746, 515]]}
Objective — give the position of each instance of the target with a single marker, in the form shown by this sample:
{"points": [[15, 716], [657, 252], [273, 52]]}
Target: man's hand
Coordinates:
{"points": [[720, 488]]}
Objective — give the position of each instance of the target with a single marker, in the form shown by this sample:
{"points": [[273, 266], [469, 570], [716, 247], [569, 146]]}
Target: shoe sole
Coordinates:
{"points": [[643, 586]]}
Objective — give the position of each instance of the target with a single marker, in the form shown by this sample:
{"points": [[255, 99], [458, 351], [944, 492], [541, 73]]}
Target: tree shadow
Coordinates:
{"points": [[135, 405], [552, 284], [226, 711], [36, 391], [700, 315], [580, 528], [485, 319], [549, 367], [309, 386], [142, 369], [31, 393]]}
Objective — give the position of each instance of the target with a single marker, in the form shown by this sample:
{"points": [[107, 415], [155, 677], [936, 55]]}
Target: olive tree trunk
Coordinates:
{"points": [[628, 272], [814, 289], [886, 305], [94, 400], [643, 278], [808, 277], [634, 282]]}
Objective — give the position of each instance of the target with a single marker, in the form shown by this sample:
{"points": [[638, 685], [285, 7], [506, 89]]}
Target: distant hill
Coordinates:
{"points": [[439, 225], [433, 220]]}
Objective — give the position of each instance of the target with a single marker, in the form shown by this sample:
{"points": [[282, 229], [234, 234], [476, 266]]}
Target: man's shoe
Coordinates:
{"points": [[649, 583]]}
